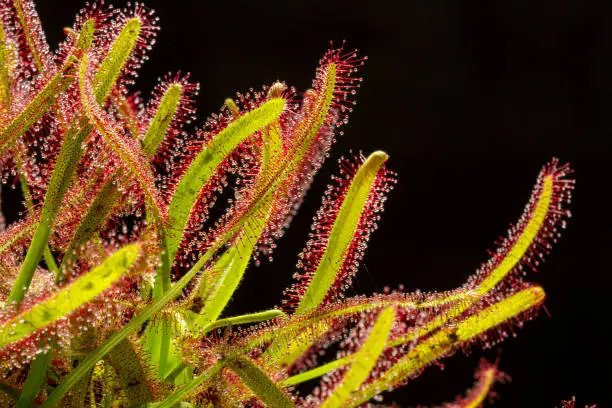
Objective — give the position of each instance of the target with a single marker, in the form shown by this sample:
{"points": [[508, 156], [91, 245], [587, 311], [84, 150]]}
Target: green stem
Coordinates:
{"points": [[259, 382], [315, 372], [188, 388], [91, 360], [130, 371], [49, 259], [65, 167], [175, 373], [34, 381], [244, 319]]}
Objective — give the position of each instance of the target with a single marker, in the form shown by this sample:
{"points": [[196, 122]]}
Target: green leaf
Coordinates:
{"points": [[308, 328], [137, 321], [68, 159], [259, 382], [315, 372], [206, 163], [130, 371], [36, 377], [104, 202], [446, 340], [107, 198], [68, 299], [5, 77], [113, 63], [47, 96], [342, 233], [32, 31], [129, 152], [187, 389], [244, 319], [65, 166], [229, 269], [363, 361], [48, 256], [162, 119], [161, 352]]}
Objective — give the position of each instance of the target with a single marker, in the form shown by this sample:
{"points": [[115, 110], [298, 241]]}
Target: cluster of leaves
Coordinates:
{"points": [[115, 279]]}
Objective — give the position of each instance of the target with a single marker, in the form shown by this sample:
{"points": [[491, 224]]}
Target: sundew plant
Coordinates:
{"points": [[138, 230]]}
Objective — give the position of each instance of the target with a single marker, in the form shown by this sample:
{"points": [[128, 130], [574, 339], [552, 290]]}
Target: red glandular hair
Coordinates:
{"points": [[240, 168], [102, 15], [244, 161], [412, 319], [572, 404], [323, 224], [107, 312], [165, 157], [346, 84], [545, 235], [25, 64], [148, 33]]}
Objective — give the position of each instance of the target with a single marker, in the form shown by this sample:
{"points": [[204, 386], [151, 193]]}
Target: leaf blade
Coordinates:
{"points": [[259, 382], [363, 361], [205, 163], [90, 361], [342, 233], [68, 299]]}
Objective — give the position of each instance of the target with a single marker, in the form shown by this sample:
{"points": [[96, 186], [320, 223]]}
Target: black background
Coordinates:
{"points": [[470, 99]]}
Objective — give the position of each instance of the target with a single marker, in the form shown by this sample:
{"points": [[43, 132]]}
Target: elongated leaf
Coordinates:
{"points": [[83, 290], [68, 159], [137, 321], [127, 150], [113, 63], [363, 361], [315, 372], [229, 270], [106, 199], [342, 233], [207, 161], [540, 214], [131, 373], [33, 33], [245, 319], [47, 96], [48, 256], [36, 377], [162, 119], [162, 354], [443, 342], [534, 229], [259, 382], [104, 202], [175, 399], [328, 256], [5, 77], [300, 334]]}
